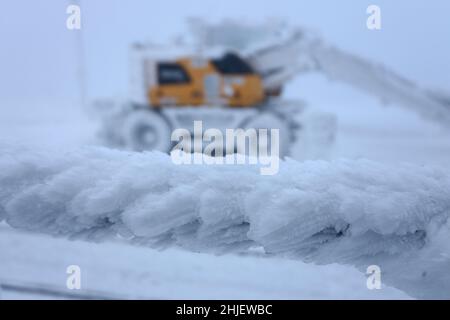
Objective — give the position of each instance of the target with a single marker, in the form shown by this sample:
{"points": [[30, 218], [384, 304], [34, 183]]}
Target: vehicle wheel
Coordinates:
{"points": [[147, 130], [270, 120]]}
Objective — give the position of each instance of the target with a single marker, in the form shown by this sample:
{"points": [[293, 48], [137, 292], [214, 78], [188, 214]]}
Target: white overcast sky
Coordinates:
{"points": [[38, 54]]}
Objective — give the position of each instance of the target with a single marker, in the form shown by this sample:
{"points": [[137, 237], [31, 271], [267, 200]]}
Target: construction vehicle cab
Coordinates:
{"points": [[228, 81]]}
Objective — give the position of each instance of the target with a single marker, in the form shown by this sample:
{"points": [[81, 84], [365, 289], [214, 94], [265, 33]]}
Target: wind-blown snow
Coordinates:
{"points": [[341, 211]]}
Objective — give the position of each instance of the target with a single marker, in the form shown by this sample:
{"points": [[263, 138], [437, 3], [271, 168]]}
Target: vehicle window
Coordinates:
{"points": [[231, 63], [172, 73]]}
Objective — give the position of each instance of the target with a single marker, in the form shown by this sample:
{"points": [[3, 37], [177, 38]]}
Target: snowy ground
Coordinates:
{"points": [[115, 270]]}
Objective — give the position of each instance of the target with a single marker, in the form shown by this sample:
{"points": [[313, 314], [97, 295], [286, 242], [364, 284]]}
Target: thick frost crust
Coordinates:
{"points": [[96, 191], [357, 211]]}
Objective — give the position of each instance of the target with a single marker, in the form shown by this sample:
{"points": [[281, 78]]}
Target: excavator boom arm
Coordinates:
{"points": [[279, 54]]}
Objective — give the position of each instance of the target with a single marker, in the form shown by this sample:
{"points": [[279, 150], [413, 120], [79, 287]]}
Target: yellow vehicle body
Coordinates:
{"points": [[193, 83]]}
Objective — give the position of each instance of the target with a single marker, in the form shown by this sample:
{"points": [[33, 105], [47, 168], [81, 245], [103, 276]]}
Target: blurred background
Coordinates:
{"points": [[48, 69]]}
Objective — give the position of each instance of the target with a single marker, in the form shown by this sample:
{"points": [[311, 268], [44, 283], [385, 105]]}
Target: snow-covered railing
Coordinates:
{"points": [[97, 192]]}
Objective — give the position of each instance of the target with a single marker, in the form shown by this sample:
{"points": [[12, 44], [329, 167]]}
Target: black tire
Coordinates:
{"points": [[147, 130]]}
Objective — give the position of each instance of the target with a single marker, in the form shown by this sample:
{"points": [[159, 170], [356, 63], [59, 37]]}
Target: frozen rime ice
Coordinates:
{"points": [[99, 191], [350, 211]]}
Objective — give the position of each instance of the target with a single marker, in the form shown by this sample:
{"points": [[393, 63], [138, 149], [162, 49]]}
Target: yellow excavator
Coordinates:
{"points": [[228, 80], [231, 74]]}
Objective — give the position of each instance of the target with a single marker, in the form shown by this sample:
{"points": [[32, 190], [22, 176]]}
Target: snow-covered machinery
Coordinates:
{"points": [[231, 75], [230, 79]]}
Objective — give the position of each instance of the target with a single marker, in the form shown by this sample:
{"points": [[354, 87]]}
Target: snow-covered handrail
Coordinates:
{"points": [[97, 192]]}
